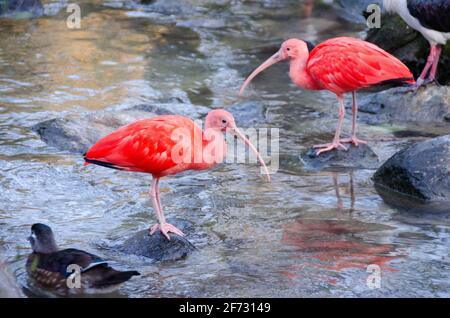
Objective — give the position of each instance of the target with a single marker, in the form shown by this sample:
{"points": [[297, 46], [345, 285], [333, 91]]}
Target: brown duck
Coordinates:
{"points": [[69, 271]]}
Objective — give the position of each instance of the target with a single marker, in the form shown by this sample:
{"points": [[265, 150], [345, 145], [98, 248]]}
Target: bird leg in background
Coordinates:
{"points": [[353, 139], [163, 226], [432, 62], [436, 63], [336, 144]]}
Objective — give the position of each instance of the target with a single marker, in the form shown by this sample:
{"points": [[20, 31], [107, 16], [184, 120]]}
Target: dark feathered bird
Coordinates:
{"points": [[432, 19], [56, 270]]}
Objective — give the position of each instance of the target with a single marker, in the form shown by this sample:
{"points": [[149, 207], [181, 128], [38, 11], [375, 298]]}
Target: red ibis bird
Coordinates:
{"points": [[340, 65], [432, 19], [167, 145]]}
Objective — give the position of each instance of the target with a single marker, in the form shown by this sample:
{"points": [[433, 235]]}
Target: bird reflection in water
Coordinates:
{"points": [[349, 190], [336, 244]]}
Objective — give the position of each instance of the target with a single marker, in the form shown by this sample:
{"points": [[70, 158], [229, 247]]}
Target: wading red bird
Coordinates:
{"points": [[340, 65], [167, 145]]}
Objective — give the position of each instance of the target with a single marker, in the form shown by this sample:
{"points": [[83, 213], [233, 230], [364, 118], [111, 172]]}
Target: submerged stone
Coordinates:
{"points": [[361, 157], [157, 247], [420, 172]]}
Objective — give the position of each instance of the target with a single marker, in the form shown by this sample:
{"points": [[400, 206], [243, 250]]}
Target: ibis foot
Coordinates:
{"points": [[165, 229], [329, 147], [354, 141]]}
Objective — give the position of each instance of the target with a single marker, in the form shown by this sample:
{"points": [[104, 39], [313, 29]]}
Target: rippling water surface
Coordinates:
{"points": [[305, 234]]}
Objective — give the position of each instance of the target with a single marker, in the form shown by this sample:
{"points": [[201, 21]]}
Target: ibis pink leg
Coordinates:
{"points": [[432, 63], [163, 226], [337, 143], [435, 63], [353, 139]]}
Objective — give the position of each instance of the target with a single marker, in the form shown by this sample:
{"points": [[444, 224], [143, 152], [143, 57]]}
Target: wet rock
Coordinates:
{"points": [[409, 206], [157, 247], [428, 104], [396, 37], [21, 9], [361, 157], [420, 172], [77, 132]]}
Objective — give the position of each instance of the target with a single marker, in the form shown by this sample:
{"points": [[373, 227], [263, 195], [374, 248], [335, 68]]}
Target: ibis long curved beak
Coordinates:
{"points": [[277, 57], [247, 142]]}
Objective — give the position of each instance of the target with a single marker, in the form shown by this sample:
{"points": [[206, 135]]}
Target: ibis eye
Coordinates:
{"points": [[288, 49], [224, 121]]}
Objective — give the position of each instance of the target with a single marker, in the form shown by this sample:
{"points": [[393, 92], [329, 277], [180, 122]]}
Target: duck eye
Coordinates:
{"points": [[224, 121]]}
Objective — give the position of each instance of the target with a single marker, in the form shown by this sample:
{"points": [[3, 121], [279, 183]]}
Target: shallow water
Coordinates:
{"points": [[305, 234]]}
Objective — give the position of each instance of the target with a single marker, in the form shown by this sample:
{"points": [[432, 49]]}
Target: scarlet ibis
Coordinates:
{"points": [[167, 145], [49, 266], [432, 19], [340, 65]]}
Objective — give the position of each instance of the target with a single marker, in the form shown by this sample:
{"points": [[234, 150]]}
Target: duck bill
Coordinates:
{"points": [[277, 57], [247, 142]]}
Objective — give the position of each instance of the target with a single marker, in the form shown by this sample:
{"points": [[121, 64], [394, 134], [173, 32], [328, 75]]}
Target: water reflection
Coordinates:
{"points": [[348, 190], [336, 245]]}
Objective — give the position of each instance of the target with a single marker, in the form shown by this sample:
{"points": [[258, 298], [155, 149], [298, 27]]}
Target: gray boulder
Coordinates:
{"points": [[361, 157], [430, 104], [420, 172], [157, 247]]}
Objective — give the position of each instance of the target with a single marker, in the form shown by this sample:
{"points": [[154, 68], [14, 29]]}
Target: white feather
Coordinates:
{"points": [[401, 8]]}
